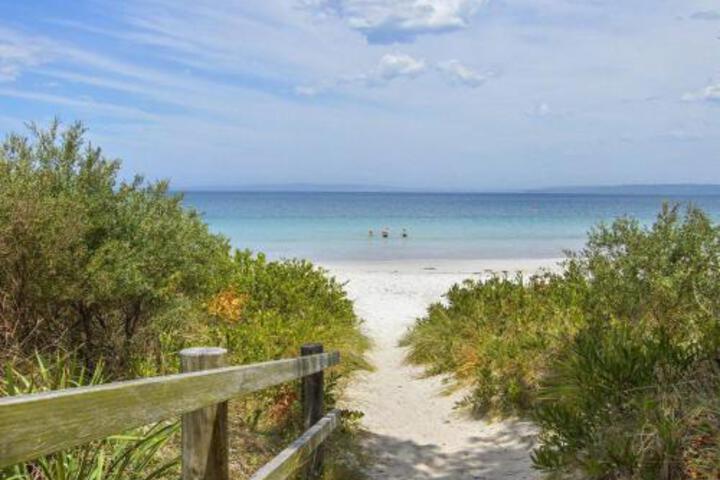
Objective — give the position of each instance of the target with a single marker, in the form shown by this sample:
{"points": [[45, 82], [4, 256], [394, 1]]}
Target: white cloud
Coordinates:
{"points": [[15, 57], [542, 109], [709, 93], [391, 66], [62, 61], [387, 21], [396, 65], [307, 91], [219, 82], [81, 104], [458, 73], [683, 135], [706, 15]]}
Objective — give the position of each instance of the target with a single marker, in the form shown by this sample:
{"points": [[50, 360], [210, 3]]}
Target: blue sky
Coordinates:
{"points": [[447, 94]]}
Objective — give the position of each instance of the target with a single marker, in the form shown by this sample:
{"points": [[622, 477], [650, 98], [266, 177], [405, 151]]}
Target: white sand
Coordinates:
{"points": [[414, 431]]}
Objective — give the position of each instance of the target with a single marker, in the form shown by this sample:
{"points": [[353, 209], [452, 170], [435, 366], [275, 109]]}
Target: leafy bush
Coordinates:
{"points": [[122, 274], [663, 278], [267, 311], [92, 262], [615, 357], [269, 308], [496, 336]]}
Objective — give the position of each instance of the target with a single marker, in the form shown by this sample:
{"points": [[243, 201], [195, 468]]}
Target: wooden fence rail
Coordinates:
{"points": [[297, 454], [38, 424]]}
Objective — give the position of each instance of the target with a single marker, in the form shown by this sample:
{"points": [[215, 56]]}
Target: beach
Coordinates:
{"points": [[360, 240], [413, 428]]}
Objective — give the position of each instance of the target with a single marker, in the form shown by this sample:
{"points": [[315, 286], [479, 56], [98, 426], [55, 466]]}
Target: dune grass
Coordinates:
{"points": [[615, 357]]}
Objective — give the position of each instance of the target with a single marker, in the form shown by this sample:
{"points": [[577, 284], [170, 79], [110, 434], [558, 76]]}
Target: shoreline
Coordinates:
{"points": [[443, 266], [414, 284]]}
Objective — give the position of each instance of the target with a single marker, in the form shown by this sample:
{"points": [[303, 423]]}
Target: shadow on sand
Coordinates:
{"points": [[499, 455]]}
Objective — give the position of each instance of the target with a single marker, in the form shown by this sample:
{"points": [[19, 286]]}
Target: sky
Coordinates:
{"points": [[438, 94]]}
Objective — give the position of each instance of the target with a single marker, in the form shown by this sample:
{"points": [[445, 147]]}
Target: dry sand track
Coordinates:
{"points": [[414, 432]]}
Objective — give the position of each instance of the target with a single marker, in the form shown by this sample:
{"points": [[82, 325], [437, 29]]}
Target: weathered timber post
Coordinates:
{"points": [[313, 409], [204, 431]]}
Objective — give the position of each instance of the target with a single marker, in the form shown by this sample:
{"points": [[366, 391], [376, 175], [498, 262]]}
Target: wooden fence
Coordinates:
{"points": [[39, 424]]}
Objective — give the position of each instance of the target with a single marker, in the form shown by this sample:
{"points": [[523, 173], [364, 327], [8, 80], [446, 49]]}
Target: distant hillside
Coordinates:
{"points": [[298, 187], [661, 190], [669, 190]]}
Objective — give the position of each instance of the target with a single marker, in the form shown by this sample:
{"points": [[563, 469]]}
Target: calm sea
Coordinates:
{"points": [[334, 226]]}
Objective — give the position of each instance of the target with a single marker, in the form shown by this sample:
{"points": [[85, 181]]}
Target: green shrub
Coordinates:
{"points": [[664, 277], [90, 262], [122, 274], [624, 397], [268, 310], [279, 305], [496, 336], [613, 407], [615, 357]]}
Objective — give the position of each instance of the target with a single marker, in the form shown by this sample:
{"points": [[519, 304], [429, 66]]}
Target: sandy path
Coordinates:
{"points": [[414, 431]]}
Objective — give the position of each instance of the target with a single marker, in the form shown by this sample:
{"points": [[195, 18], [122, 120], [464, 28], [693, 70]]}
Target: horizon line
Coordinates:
{"points": [[625, 189]]}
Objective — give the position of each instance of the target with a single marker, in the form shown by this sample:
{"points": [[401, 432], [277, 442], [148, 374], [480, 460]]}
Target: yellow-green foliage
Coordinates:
{"points": [[615, 357], [496, 335], [266, 312], [270, 308]]}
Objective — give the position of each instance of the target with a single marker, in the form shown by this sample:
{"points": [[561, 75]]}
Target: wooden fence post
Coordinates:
{"points": [[313, 409], [204, 431]]}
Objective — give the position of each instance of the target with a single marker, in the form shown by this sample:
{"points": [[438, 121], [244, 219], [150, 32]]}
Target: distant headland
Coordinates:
{"points": [[679, 189]]}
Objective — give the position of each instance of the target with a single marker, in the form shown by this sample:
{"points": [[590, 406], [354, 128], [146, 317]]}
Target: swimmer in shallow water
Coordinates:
{"points": [[385, 232], [371, 233], [404, 233]]}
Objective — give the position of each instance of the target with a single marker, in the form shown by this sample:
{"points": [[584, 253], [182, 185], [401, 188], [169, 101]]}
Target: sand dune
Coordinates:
{"points": [[414, 431]]}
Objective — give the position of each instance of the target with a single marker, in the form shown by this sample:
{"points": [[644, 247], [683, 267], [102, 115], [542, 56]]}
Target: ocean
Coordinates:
{"points": [[335, 226]]}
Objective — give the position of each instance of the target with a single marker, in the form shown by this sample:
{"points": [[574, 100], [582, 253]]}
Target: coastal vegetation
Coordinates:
{"points": [[103, 279], [615, 356]]}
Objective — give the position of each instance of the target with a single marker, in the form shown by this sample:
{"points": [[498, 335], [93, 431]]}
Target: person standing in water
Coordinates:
{"points": [[385, 232], [404, 233]]}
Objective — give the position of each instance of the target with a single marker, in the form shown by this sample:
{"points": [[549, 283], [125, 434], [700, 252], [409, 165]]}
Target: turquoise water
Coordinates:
{"points": [[334, 226]]}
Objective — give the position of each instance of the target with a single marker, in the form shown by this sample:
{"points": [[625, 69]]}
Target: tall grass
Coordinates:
{"points": [[615, 357]]}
